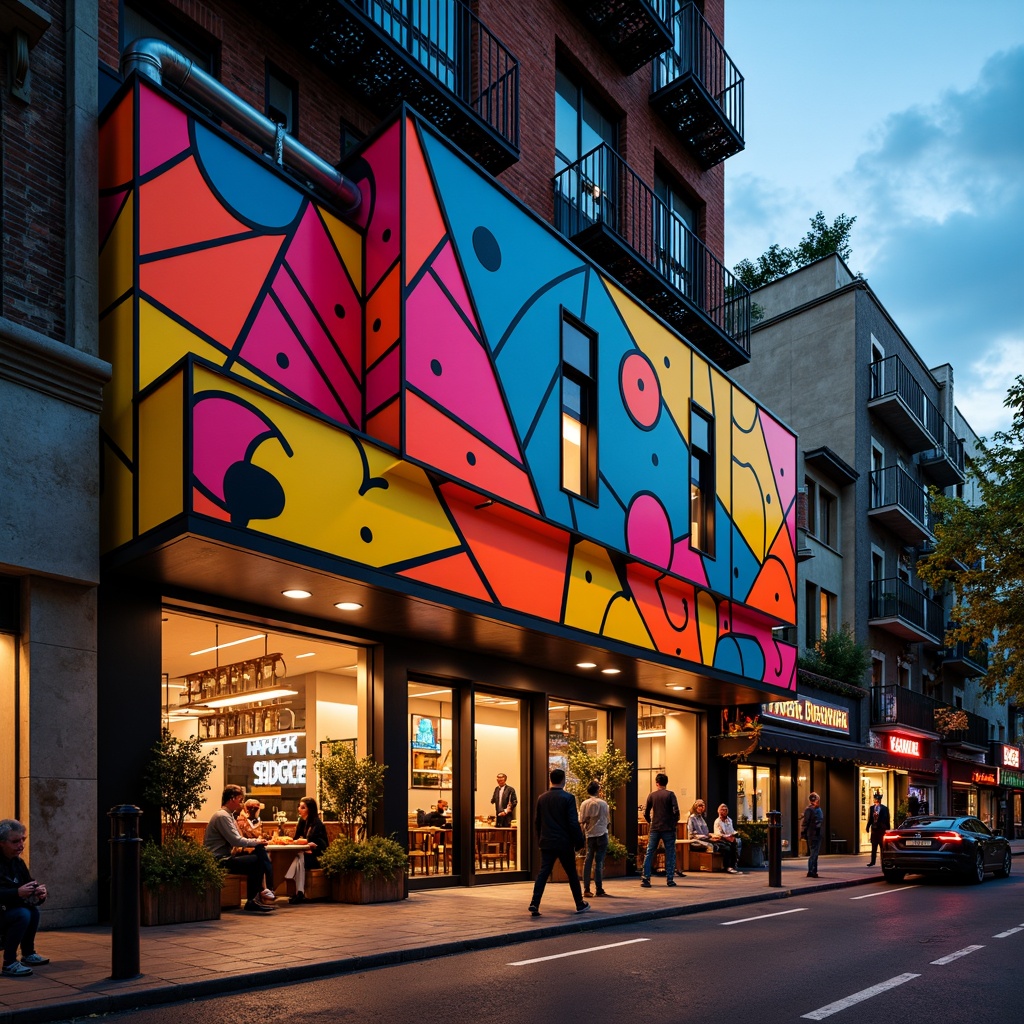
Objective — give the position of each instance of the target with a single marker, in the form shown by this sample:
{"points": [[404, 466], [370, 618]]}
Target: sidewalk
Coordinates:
{"points": [[191, 960]]}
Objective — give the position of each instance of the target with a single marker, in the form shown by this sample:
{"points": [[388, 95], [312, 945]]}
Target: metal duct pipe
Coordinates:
{"points": [[158, 61]]}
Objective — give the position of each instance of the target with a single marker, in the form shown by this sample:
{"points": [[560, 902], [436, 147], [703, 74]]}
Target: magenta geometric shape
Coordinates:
{"points": [[648, 531], [222, 431], [687, 563], [446, 267], [165, 133], [383, 379]]}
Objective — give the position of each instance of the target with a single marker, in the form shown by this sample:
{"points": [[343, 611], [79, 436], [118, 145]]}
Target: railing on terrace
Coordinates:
{"points": [[963, 653], [895, 598], [976, 733], [949, 447], [602, 189], [895, 486], [896, 705], [699, 52]]}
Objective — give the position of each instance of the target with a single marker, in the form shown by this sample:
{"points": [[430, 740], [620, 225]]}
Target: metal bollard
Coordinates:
{"points": [[775, 849], [125, 890]]}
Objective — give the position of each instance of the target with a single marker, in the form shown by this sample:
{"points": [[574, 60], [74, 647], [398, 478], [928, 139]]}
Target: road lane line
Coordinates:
{"points": [[956, 956], [1012, 931], [884, 892], [575, 952], [858, 997], [762, 917]]}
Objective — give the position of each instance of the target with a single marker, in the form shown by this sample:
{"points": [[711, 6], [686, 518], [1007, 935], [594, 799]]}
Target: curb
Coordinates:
{"points": [[138, 998]]}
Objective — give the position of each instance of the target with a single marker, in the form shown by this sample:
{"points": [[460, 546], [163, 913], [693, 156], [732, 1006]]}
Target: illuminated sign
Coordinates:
{"points": [[814, 713], [983, 778], [1011, 756], [289, 771], [904, 745], [1011, 779]]}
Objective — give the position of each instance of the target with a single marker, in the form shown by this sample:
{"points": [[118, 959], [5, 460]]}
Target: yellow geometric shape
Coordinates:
{"points": [[702, 393], [624, 622], [707, 624], [117, 346], [757, 510], [116, 527], [163, 341], [117, 266], [721, 405], [349, 244], [587, 600], [161, 454]]}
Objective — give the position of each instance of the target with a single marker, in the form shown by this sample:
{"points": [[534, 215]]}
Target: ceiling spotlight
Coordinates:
{"points": [[586, 664], [610, 671], [348, 606], [298, 595]]}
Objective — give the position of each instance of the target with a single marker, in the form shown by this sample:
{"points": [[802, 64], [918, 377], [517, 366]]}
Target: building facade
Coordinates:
{"points": [[419, 432]]}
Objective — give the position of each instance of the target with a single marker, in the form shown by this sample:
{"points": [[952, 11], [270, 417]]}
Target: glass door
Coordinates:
{"points": [[431, 777], [497, 785]]}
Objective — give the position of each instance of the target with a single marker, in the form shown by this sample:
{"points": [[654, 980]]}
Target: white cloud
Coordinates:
{"points": [[982, 384]]}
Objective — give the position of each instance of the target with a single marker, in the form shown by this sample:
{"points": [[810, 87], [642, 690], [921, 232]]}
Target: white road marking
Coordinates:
{"points": [[575, 952], [884, 892], [1012, 931], [858, 997], [956, 956], [762, 917]]}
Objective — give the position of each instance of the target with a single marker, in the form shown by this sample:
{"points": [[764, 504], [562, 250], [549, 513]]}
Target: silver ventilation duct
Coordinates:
{"points": [[159, 61]]}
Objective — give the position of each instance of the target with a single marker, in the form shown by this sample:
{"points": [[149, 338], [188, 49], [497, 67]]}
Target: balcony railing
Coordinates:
{"points": [[895, 606], [975, 735], [896, 705], [900, 503], [944, 463], [964, 660], [633, 31], [698, 90], [436, 55], [608, 210]]}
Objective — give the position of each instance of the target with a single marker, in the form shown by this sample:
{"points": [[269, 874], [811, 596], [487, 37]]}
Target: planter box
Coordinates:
{"points": [[355, 887], [179, 905]]}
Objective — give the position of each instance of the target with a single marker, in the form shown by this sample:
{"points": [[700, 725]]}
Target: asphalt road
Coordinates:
{"points": [[871, 954]]}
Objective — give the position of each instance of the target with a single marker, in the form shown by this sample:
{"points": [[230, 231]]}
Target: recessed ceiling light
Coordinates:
{"points": [[308, 654], [297, 594], [680, 687], [232, 643], [586, 664], [610, 671], [348, 606]]}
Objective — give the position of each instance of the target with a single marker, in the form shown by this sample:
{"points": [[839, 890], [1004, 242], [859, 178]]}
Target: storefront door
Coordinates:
{"points": [[500, 798]]}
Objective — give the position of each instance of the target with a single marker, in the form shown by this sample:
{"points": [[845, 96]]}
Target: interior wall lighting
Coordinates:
{"points": [[308, 654], [249, 697], [298, 595], [348, 606]]}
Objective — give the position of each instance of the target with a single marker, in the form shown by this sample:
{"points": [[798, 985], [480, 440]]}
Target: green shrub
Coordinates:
{"points": [[178, 862], [616, 850], [378, 855], [838, 656]]}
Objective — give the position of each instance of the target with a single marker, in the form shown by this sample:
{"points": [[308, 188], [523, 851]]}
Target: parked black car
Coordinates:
{"points": [[933, 843]]}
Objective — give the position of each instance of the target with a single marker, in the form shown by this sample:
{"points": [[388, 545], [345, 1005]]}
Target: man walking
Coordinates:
{"points": [[594, 822], [810, 829], [878, 825], [662, 811], [559, 836]]}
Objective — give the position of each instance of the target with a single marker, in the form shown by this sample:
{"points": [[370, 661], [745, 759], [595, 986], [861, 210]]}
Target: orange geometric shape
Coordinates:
{"points": [[424, 225], [456, 573], [117, 149], [177, 208], [523, 559], [215, 288], [383, 316], [433, 439], [386, 425], [668, 606], [773, 590], [202, 504]]}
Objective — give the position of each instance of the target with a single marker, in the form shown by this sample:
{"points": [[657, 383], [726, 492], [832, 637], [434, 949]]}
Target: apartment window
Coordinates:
{"points": [[282, 99], [877, 670], [877, 564], [826, 613], [676, 244], [579, 410], [811, 626], [827, 526], [430, 30], [702, 481]]}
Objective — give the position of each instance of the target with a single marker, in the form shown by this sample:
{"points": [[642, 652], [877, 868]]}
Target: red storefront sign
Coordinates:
{"points": [[908, 746]]}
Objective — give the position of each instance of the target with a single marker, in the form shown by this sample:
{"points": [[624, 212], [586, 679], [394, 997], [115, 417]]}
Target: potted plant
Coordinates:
{"points": [[181, 879], [361, 868], [755, 840]]}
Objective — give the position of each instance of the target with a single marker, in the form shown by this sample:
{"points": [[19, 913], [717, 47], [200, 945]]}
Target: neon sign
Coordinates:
{"points": [[1011, 756], [904, 745], [290, 771], [814, 713], [984, 778]]}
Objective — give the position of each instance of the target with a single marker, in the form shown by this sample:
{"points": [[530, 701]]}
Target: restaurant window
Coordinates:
{"points": [[574, 723], [579, 411], [9, 714], [497, 731], [263, 702], [667, 742], [431, 778], [702, 482], [282, 99]]}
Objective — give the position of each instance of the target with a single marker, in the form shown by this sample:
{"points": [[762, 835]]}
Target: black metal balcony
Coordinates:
{"points": [[698, 90], [944, 464], [435, 55], [607, 209], [899, 401], [632, 31], [963, 660], [897, 707], [895, 606], [900, 503]]}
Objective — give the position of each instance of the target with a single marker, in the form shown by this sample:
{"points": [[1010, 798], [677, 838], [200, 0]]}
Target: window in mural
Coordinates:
{"points": [[579, 412], [702, 482]]}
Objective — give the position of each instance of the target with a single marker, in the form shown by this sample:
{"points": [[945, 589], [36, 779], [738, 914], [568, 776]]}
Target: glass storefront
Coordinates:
{"points": [[497, 757], [667, 742]]}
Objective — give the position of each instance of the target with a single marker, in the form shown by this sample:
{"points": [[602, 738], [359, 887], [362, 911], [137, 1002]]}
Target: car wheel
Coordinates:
{"points": [[977, 873], [895, 877], [1003, 871]]}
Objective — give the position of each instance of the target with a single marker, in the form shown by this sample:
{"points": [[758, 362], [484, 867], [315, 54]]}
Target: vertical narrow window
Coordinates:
{"points": [[282, 99], [676, 244], [827, 518], [702, 482], [812, 506], [827, 613], [579, 412], [811, 633]]}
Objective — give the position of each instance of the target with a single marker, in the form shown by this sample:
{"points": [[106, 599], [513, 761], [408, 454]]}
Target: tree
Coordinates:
{"points": [[822, 239], [979, 554], [353, 786], [177, 777], [610, 769]]}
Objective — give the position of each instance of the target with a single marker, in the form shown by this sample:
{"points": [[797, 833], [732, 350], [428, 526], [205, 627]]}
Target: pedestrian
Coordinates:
{"points": [[559, 836], [594, 822], [810, 829], [20, 896], [913, 805], [662, 811], [878, 825]]}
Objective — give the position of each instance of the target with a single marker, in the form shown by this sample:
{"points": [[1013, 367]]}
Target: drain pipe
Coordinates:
{"points": [[160, 62]]}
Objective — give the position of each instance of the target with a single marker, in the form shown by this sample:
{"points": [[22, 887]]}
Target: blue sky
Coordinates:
{"points": [[908, 114]]}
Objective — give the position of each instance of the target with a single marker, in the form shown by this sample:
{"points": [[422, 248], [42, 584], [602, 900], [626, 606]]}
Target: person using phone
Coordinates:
{"points": [[20, 897]]}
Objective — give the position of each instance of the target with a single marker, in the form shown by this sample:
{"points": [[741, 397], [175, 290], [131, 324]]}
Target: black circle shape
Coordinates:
{"points": [[776, 597], [385, 235], [767, 499], [654, 458], [366, 534], [376, 325], [668, 362], [435, 367], [282, 360], [487, 250], [588, 576], [782, 470], [339, 311], [736, 572], [471, 458], [639, 383], [679, 650]]}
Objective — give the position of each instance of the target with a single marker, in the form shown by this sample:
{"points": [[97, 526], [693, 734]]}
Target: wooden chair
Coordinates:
{"points": [[422, 849], [491, 851]]}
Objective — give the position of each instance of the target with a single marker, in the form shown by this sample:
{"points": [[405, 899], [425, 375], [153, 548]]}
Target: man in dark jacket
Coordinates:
{"points": [[662, 811], [20, 897], [810, 829], [878, 825], [559, 836]]}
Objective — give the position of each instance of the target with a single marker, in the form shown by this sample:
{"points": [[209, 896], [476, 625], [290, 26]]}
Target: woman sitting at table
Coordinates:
{"points": [[314, 831]]}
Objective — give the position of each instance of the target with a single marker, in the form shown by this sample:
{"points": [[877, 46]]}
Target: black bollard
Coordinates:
{"points": [[775, 849], [125, 890]]}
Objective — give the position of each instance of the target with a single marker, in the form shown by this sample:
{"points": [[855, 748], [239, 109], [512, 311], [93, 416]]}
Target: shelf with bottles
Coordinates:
{"points": [[237, 682], [252, 721]]}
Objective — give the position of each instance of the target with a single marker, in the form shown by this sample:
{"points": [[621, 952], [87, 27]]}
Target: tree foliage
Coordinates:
{"points": [[177, 778], [353, 786], [610, 769], [979, 553], [838, 656], [822, 239]]}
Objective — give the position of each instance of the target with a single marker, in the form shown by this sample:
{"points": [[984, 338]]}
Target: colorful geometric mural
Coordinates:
{"points": [[385, 393]]}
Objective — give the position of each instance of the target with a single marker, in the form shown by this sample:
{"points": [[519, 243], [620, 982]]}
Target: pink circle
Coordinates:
{"points": [[640, 391], [648, 531]]}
